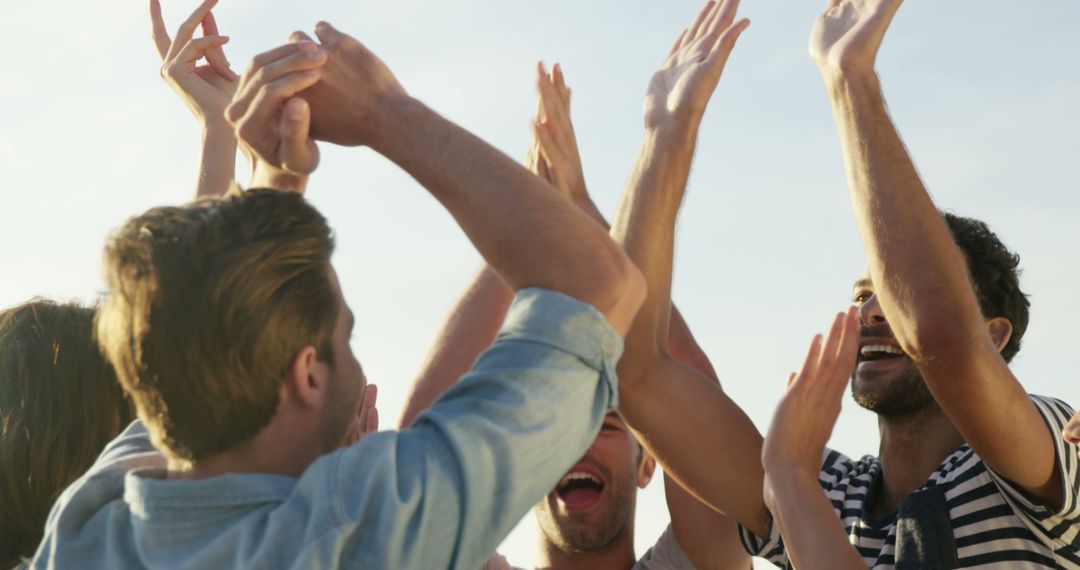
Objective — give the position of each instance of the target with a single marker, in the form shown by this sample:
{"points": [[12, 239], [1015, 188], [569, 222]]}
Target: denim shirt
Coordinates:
{"points": [[441, 494]]}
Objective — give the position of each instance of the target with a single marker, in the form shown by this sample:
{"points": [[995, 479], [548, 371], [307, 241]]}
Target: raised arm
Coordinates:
{"points": [[206, 89], [814, 537], [475, 319], [531, 236], [709, 538], [918, 273], [663, 399]]}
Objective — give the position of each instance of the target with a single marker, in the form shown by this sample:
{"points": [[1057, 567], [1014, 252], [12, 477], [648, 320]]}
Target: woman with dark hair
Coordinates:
{"points": [[60, 404]]}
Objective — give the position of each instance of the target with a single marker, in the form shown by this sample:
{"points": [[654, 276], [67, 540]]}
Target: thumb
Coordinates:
{"points": [[296, 152]]}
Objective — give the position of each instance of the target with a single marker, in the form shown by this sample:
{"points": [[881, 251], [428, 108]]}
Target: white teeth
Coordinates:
{"points": [[885, 348], [578, 476]]}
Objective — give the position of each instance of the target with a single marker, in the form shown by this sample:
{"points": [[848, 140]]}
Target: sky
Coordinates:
{"points": [[984, 93]]}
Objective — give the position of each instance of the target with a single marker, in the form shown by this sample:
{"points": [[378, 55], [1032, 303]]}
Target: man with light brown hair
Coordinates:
{"points": [[227, 324]]}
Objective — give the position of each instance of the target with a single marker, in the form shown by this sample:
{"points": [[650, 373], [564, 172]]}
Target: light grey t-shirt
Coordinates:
{"points": [[665, 555]]}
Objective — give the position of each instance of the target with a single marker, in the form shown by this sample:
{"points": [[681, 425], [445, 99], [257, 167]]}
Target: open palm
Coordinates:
{"points": [[682, 87], [848, 34]]}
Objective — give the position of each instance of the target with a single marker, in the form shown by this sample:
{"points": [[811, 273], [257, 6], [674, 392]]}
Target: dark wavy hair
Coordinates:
{"points": [[60, 404], [995, 274]]}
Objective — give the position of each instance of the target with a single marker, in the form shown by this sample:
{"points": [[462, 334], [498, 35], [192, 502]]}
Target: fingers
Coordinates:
{"points": [[328, 34], [809, 368], [158, 31], [709, 25], [547, 148], [559, 81], [723, 16], [696, 27], [832, 342], [371, 423], [260, 124], [187, 30], [216, 56], [847, 352], [678, 43], [271, 66], [724, 44], [272, 96], [194, 50], [298, 152], [298, 36]]}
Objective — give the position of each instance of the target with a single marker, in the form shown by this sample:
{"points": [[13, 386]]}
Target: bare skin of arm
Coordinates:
{"points": [[918, 272], [531, 236], [814, 537], [709, 538], [654, 386]]}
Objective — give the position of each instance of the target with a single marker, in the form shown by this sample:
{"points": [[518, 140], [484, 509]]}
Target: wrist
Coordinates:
{"points": [[267, 176], [217, 127], [785, 481], [400, 117], [839, 80]]}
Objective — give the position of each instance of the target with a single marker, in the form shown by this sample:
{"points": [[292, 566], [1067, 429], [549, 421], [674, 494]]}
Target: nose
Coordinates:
{"points": [[870, 312]]}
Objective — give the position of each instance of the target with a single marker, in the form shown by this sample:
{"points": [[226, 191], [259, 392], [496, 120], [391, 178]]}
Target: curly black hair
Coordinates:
{"points": [[995, 274]]}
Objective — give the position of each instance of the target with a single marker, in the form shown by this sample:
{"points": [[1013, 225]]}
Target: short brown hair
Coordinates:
{"points": [[60, 404], [208, 304]]}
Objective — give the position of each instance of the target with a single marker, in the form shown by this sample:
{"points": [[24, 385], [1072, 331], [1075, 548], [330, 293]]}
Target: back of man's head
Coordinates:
{"points": [[995, 274], [207, 306], [60, 405]]}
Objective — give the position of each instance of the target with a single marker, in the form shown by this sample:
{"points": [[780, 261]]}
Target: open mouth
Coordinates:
{"points": [[878, 352], [579, 490]]}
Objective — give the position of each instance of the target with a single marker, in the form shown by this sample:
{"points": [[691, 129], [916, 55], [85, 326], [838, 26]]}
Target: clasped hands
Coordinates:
{"points": [[334, 90]]}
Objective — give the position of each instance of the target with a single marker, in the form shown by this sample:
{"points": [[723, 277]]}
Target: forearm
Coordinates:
{"points": [[645, 227], [512, 217], [217, 162], [709, 538], [921, 279], [813, 535], [469, 331], [919, 273], [720, 464]]}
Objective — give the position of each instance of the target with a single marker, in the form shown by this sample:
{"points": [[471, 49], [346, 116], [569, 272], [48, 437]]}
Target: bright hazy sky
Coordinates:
{"points": [[985, 93]]}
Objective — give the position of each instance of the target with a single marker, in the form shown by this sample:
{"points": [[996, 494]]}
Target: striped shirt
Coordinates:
{"points": [[964, 516]]}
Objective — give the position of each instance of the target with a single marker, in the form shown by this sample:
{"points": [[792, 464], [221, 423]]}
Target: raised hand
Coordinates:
{"points": [[356, 92], [848, 34], [681, 89], [367, 419], [206, 89], [270, 120], [807, 413], [557, 156]]}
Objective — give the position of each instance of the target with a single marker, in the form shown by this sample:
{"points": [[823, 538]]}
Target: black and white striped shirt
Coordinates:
{"points": [[964, 516]]}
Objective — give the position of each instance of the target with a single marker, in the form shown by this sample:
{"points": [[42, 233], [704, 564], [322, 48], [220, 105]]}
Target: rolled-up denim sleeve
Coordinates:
{"points": [[445, 492]]}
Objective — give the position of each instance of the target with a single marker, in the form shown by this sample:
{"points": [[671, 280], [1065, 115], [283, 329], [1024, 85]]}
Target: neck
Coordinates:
{"points": [[619, 555], [912, 447], [276, 449]]}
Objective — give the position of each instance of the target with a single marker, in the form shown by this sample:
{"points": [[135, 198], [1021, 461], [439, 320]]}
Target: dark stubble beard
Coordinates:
{"points": [[902, 396]]}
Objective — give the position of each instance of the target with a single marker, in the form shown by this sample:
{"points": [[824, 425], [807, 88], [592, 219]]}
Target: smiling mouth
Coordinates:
{"points": [[579, 490], [875, 352]]}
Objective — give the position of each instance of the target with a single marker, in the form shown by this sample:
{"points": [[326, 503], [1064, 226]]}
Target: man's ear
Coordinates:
{"points": [[1000, 331], [307, 379], [646, 469]]}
